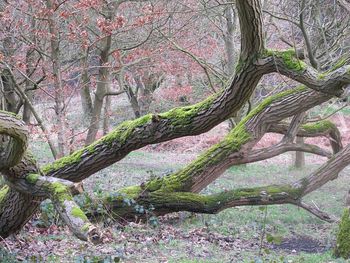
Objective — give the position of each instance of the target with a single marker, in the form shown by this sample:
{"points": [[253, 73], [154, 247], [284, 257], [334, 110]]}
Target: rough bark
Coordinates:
{"points": [[26, 188], [15, 208]]}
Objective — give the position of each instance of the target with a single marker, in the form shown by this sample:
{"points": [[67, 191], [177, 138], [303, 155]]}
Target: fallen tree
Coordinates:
{"points": [[28, 184]]}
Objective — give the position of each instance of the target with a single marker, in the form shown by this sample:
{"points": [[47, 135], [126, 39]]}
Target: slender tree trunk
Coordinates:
{"points": [[30, 70], [27, 112], [299, 162], [229, 39], [145, 91], [132, 96], [133, 101], [10, 97], [102, 87], [107, 112], [59, 89], [85, 95]]}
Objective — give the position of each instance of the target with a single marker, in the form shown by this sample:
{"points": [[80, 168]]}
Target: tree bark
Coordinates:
{"points": [[107, 113], [59, 89], [228, 39], [11, 98], [85, 95], [102, 88], [299, 161]]}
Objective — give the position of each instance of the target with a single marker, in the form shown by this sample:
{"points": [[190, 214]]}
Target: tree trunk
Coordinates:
{"points": [[342, 248], [102, 87], [59, 89], [299, 162], [27, 112], [107, 113], [132, 96], [85, 95], [8, 86], [228, 39]]}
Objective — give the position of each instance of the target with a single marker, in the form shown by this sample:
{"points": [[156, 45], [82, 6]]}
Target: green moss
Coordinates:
{"points": [[85, 227], [186, 198], [180, 180], [11, 114], [233, 142], [131, 191], [216, 202], [120, 134], [77, 212], [289, 59], [3, 192], [60, 192], [70, 159], [58, 188], [320, 126], [265, 103], [124, 130], [341, 62], [322, 75], [184, 115], [342, 248], [32, 178]]}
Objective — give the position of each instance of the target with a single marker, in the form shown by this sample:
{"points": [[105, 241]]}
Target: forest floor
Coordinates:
{"points": [[280, 233]]}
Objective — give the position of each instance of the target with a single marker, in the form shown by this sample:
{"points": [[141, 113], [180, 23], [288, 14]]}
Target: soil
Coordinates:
{"points": [[301, 244]]}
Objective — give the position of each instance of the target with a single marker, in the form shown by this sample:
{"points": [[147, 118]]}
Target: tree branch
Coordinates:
{"points": [[13, 147], [250, 19], [287, 64], [321, 128]]}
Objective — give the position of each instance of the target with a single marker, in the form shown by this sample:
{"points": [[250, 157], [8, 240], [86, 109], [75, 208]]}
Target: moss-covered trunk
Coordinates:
{"points": [[342, 248]]}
